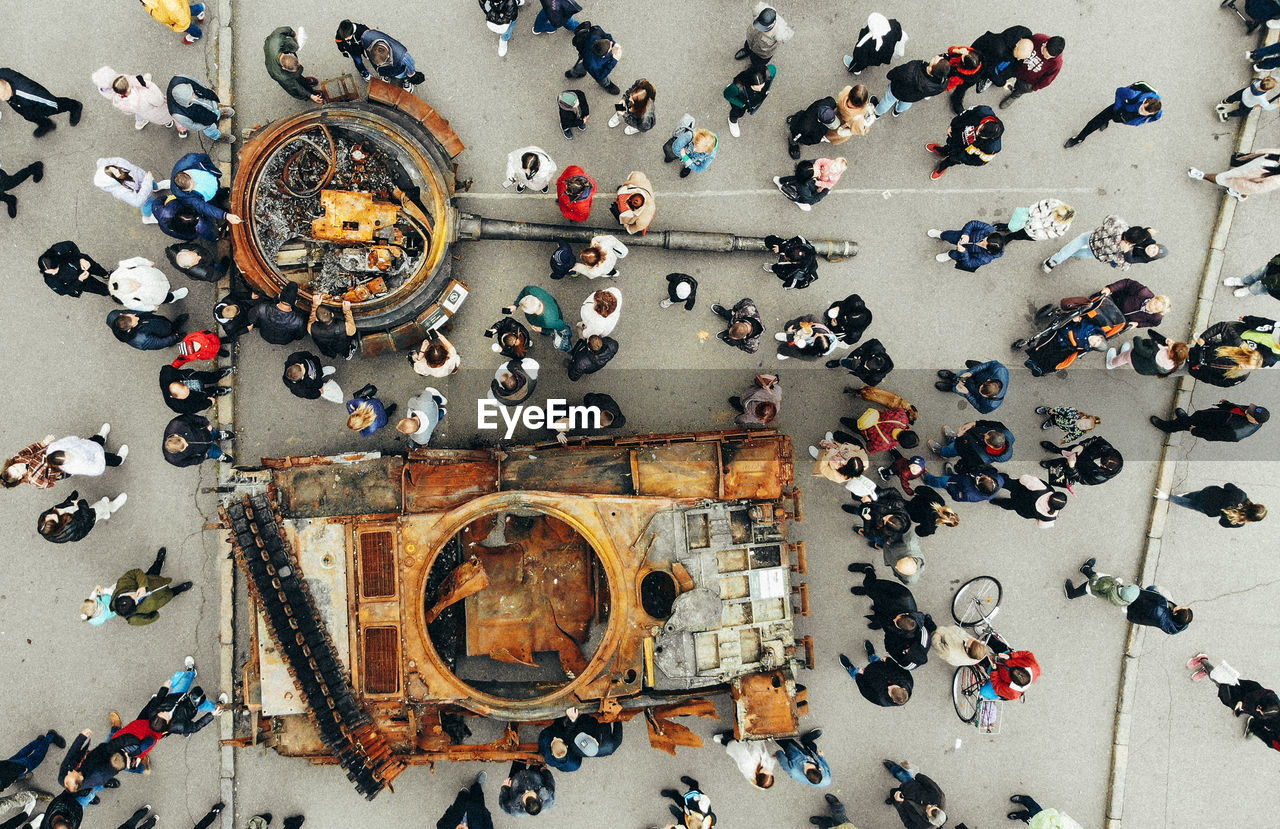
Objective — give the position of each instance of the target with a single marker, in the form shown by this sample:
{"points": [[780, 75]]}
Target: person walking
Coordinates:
{"points": [[803, 761], [45, 463], [999, 55], [468, 807], [1246, 698], [435, 356], [600, 258], [1032, 499], [35, 104], [693, 808], [1073, 422], [307, 377], [811, 181], [178, 15], [571, 105], [198, 260], [1149, 607], [837, 817], [1135, 105], [280, 51], [1249, 174], [366, 414], [601, 312], [908, 633], [387, 56], [333, 334], [528, 790], [23, 762], [139, 595], [747, 92], [514, 381], [500, 16], [811, 125], [973, 139], [1252, 97], [69, 272], [598, 55], [1038, 817], [74, 518], [556, 14], [878, 43], [280, 322], [1044, 220], [1154, 355], [1037, 70], [911, 83], [982, 385], [636, 109], [1141, 306], [1103, 585], [1264, 280], [752, 757], [542, 312], [1220, 356], [694, 148], [1229, 504], [767, 30], [919, 801], [883, 681], [887, 429], [1114, 243], [744, 325], [761, 404], [682, 289], [195, 106], [33, 171], [189, 439], [187, 391], [589, 355], [530, 168], [975, 444], [974, 245], [422, 414], [139, 285], [574, 193], [634, 207], [136, 95]]}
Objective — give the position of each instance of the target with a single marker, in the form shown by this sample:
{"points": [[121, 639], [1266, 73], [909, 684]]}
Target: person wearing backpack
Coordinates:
{"points": [[1135, 105]]}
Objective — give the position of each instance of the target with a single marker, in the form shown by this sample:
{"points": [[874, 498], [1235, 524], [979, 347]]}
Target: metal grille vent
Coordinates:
{"points": [[377, 566], [381, 660]]}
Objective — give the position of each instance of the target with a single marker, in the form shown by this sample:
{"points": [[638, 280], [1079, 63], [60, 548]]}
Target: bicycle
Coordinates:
{"points": [[974, 605]]}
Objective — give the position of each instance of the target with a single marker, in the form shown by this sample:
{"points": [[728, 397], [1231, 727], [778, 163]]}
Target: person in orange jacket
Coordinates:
{"points": [[1014, 673]]}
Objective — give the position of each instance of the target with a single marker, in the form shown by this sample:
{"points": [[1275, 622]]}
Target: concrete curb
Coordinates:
{"points": [[1150, 561]]}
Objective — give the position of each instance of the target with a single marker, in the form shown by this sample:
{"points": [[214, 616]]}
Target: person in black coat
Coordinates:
{"points": [[1000, 54], [1229, 504], [281, 322], [848, 319], [34, 103], [885, 519], [1090, 462], [73, 518], [187, 391], [180, 220], [63, 812], [869, 362], [590, 355], [611, 418], [68, 272], [883, 682], [304, 375], [912, 82], [334, 335], [907, 632], [928, 509], [1026, 500], [810, 125], [797, 264], [468, 808], [682, 289], [973, 139], [189, 439], [1225, 421], [1154, 609], [198, 260], [919, 800], [511, 338], [146, 330], [874, 48], [235, 311], [33, 171]]}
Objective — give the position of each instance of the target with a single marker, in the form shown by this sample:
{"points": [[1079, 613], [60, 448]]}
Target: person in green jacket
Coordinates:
{"points": [[281, 53], [138, 595], [747, 92], [543, 314]]}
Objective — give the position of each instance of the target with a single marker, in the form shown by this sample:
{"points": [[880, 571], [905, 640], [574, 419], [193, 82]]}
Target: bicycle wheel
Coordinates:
{"points": [[964, 692], [976, 600]]}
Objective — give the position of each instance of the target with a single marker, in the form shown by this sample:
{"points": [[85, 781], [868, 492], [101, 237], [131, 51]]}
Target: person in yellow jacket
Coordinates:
{"points": [[178, 15]]}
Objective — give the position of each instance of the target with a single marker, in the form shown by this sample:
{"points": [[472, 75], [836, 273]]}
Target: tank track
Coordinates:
{"points": [[285, 601]]}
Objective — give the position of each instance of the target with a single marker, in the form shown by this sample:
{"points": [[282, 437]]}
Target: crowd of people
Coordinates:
{"points": [[867, 455]]}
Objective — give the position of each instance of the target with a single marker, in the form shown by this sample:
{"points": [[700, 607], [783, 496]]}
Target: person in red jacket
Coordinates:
{"points": [[884, 430], [1037, 70], [574, 192], [198, 345], [1012, 676]]}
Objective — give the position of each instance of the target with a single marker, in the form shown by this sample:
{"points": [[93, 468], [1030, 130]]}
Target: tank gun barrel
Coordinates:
{"points": [[471, 227]]}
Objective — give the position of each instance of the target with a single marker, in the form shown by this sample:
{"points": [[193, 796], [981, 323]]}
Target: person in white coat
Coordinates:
{"points": [[753, 758], [600, 258], [600, 313], [129, 183], [139, 285], [530, 168], [136, 95], [422, 414]]}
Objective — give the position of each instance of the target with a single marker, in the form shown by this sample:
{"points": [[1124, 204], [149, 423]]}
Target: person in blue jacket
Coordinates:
{"points": [[390, 59], [598, 55], [980, 484], [1154, 609], [977, 443], [146, 330], [804, 761], [179, 218], [1135, 105], [982, 384], [197, 181], [976, 244]]}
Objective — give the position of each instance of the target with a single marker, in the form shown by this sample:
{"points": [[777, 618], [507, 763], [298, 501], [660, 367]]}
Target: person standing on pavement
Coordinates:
{"points": [[543, 315], [468, 809], [178, 15], [879, 42], [136, 95], [598, 55], [422, 415], [744, 329], [1254, 96], [636, 109], [982, 385], [45, 463], [600, 258], [1046, 219], [977, 484], [334, 335], [797, 264], [682, 289], [500, 16], [958, 647], [1000, 54], [366, 414], [1245, 697], [435, 356], [811, 125], [908, 633], [280, 51], [1265, 280], [189, 439], [1037, 70], [530, 168], [1229, 504], [73, 518], [761, 404], [974, 245], [973, 139], [1135, 105], [1033, 499], [589, 355], [887, 429], [1090, 462], [280, 322], [512, 340], [752, 758], [854, 114], [803, 761], [33, 171], [234, 313], [747, 92], [883, 682], [693, 808], [634, 207], [196, 180], [195, 106], [574, 193], [848, 318], [307, 377], [35, 104], [601, 312], [187, 391], [198, 260], [137, 596], [975, 444], [556, 14], [388, 56], [68, 272], [572, 107], [514, 381], [528, 790], [919, 800], [1153, 356], [911, 83], [139, 286], [767, 30], [811, 181], [695, 149]]}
